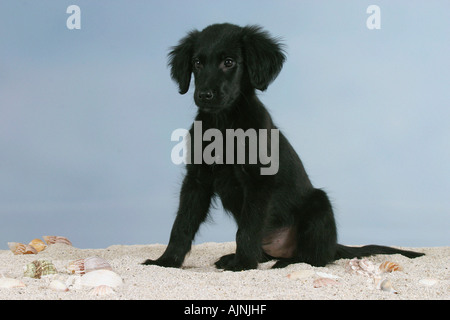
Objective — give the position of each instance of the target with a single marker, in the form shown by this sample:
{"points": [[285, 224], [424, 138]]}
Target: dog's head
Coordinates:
{"points": [[227, 61]]}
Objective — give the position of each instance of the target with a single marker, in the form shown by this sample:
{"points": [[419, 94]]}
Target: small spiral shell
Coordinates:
{"points": [[37, 244], [39, 268], [20, 248], [389, 266], [56, 239]]}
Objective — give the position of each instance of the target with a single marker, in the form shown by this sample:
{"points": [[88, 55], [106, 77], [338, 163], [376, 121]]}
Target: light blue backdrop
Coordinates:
{"points": [[86, 116]]}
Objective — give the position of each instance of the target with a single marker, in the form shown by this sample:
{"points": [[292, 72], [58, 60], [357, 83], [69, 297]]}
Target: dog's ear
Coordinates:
{"points": [[264, 56], [180, 61]]}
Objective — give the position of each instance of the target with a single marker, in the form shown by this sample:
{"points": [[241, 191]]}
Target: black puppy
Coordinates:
{"points": [[280, 215]]}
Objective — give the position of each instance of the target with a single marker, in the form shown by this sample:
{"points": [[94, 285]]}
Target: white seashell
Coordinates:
{"points": [[385, 285], [367, 265], [101, 291], [353, 266], [81, 266], [327, 275], [74, 282], [300, 274], [363, 267], [101, 277], [11, 283], [57, 285], [324, 282], [428, 281]]}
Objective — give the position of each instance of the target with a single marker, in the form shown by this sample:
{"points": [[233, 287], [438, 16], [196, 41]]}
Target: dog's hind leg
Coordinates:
{"points": [[316, 231]]}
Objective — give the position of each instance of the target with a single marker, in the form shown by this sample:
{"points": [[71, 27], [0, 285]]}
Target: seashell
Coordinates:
{"points": [[389, 266], [428, 281], [300, 274], [101, 277], [11, 283], [37, 244], [74, 282], [20, 248], [39, 268], [353, 265], [367, 265], [324, 282], [57, 285], [81, 266], [364, 267], [16, 247], [56, 239], [385, 285], [102, 290], [30, 250]]}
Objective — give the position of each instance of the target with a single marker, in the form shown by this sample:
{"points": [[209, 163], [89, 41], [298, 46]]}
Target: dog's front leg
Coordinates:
{"points": [[248, 237], [195, 200]]}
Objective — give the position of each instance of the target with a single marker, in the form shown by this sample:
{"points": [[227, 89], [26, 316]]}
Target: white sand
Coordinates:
{"points": [[198, 279]]}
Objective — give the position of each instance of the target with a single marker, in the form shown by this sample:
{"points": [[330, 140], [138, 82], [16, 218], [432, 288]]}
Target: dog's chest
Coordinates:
{"points": [[228, 185]]}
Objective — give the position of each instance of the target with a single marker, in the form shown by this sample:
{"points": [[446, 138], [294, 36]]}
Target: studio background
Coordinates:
{"points": [[86, 116]]}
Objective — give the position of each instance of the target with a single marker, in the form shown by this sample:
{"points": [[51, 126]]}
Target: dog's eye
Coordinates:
{"points": [[197, 64], [228, 63]]}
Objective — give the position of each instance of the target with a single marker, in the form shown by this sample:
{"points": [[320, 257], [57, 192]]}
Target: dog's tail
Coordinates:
{"points": [[345, 252]]}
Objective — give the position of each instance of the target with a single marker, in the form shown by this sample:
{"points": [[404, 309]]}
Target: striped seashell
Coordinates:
{"points": [[37, 244], [39, 268], [389, 266], [16, 247], [81, 266], [20, 248], [56, 239], [324, 282]]}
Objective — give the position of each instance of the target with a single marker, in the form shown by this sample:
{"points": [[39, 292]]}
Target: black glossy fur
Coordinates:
{"points": [[279, 216]]}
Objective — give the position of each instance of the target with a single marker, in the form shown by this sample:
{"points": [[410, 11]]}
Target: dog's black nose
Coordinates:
{"points": [[206, 95]]}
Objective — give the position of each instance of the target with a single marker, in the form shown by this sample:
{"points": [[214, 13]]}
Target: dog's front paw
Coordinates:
{"points": [[225, 261], [230, 262], [162, 263]]}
